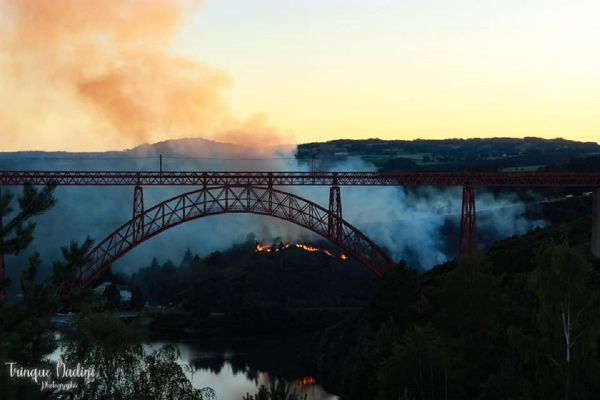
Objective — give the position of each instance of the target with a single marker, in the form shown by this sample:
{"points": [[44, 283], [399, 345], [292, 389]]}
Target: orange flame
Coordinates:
{"points": [[265, 248], [307, 247], [306, 380], [262, 248]]}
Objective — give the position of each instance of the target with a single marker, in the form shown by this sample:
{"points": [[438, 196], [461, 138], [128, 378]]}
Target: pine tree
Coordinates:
{"points": [[26, 334], [17, 233]]}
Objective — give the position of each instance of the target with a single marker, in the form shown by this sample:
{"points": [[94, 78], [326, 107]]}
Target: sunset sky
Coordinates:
{"points": [[296, 71]]}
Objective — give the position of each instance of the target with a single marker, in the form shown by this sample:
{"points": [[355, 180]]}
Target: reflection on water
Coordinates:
{"points": [[234, 368], [226, 369]]}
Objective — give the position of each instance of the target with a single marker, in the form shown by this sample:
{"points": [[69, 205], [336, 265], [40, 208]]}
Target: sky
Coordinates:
{"points": [[275, 71]]}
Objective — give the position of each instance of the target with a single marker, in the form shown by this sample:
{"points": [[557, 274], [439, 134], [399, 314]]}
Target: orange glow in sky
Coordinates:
{"points": [[99, 75]]}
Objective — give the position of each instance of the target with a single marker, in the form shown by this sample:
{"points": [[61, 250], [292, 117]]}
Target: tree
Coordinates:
{"points": [[17, 233], [567, 315], [214, 258], [468, 310], [112, 295], [196, 271], [154, 264], [262, 394], [359, 378], [396, 296], [122, 370], [26, 334], [187, 259], [277, 390], [419, 367], [137, 298], [469, 298]]}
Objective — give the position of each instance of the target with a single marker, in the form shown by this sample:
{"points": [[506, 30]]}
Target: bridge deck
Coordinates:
{"points": [[239, 178]]}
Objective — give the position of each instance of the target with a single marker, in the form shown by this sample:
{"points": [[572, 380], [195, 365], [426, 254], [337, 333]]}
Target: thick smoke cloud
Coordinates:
{"points": [[411, 224], [99, 74]]}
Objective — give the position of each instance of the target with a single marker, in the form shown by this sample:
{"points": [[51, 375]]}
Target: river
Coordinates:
{"points": [[233, 368]]}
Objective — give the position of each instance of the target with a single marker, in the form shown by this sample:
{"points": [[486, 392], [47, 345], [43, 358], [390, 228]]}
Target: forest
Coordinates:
{"points": [[520, 321], [493, 154]]}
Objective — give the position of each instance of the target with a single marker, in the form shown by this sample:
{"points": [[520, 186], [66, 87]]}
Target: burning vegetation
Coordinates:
{"points": [[265, 248], [306, 380]]}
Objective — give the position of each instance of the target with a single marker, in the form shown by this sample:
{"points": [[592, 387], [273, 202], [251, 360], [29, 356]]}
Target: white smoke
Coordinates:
{"points": [[409, 223]]}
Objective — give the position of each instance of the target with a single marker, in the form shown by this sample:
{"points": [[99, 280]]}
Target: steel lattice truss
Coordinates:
{"points": [[226, 199], [196, 178]]}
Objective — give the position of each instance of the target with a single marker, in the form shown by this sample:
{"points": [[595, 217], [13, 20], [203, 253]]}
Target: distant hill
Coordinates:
{"points": [[453, 154], [504, 154], [184, 146], [188, 146], [186, 153], [581, 164], [206, 148]]}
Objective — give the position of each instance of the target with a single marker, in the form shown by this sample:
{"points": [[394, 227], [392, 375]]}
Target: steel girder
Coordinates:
{"points": [[199, 178]]}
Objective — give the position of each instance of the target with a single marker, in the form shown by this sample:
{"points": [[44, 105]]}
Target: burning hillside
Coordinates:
{"points": [[265, 248]]}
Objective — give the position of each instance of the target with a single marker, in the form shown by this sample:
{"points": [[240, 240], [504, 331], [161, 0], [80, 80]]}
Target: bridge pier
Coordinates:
{"points": [[596, 223], [334, 223], [468, 221], [138, 213]]}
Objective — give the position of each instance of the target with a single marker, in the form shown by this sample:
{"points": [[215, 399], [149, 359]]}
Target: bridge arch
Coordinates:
{"points": [[227, 199]]}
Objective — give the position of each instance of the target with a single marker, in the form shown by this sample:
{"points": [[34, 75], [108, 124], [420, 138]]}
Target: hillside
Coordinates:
{"points": [[286, 289], [485, 326], [453, 154], [387, 155]]}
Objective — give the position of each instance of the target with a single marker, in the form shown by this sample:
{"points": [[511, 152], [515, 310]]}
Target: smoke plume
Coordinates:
{"points": [[99, 74]]}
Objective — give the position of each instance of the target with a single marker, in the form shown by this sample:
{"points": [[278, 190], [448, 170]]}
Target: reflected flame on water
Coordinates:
{"points": [[306, 380]]}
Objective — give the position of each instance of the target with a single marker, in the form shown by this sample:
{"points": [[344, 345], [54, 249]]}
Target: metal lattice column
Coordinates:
{"points": [[138, 213], [468, 221], [334, 226]]}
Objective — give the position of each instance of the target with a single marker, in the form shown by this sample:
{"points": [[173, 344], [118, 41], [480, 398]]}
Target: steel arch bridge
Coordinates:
{"points": [[226, 199], [252, 192]]}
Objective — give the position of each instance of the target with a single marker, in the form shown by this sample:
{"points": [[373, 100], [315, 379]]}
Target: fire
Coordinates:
{"points": [[307, 247], [306, 380], [262, 248], [265, 248]]}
